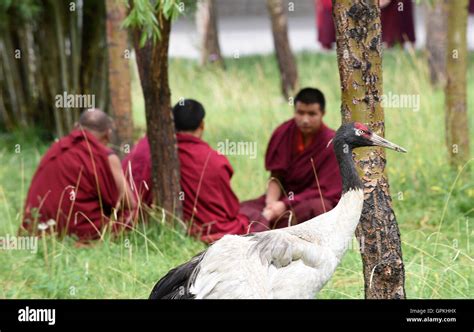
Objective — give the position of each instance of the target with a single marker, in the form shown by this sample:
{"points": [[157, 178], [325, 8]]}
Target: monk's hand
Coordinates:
{"points": [[267, 214], [278, 208], [384, 3], [273, 210]]}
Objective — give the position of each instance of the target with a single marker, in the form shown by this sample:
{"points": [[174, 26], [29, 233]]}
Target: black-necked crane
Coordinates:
{"points": [[293, 262]]}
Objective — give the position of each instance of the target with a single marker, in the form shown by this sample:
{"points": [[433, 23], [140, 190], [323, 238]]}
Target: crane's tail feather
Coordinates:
{"points": [[176, 283]]}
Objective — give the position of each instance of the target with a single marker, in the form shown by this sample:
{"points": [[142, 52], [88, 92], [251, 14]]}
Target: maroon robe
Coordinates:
{"points": [[73, 186], [397, 26], [137, 166], [210, 206], [295, 171], [325, 23]]}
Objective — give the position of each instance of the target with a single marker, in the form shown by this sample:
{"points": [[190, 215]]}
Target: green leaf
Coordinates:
{"points": [[144, 16], [143, 39]]}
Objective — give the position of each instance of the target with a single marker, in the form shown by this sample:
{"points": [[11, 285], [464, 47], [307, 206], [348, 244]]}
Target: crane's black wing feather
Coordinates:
{"points": [[176, 283]]}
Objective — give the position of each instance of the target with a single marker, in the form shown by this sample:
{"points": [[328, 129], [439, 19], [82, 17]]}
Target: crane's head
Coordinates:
{"points": [[356, 134]]}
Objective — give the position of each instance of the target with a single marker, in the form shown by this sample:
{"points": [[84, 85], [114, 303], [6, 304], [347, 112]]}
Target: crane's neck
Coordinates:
{"points": [[349, 175], [339, 224], [348, 210]]}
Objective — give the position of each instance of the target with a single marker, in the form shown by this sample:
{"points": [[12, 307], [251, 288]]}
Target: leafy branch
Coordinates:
{"points": [[146, 15]]}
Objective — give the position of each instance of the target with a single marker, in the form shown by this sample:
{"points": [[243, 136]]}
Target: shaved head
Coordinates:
{"points": [[96, 120]]}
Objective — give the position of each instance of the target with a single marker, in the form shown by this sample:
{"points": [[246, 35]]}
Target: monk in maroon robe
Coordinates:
{"points": [[396, 17], [137, 168], [79, 185], [210, 207], [305, 179], [325, 23], [397, 22]]}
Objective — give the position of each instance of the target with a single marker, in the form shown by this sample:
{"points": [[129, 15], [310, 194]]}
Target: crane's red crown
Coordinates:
{"points": [[361, 126]]}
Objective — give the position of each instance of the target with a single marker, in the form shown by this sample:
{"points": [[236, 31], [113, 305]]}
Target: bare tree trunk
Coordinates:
{"points": [[23, 64], [7, 117], [436, 39], [359, 55], [285, 58], [119, 74], [152, 61], [42, 72], [47, 72], [9, 87], [5, 121], [12, 68], [206, 22], [58, 12], [94, 66], [457, 130], [75, 63]]}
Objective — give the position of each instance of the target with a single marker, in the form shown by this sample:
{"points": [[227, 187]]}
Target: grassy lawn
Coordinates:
{"points": [[434, 205]]}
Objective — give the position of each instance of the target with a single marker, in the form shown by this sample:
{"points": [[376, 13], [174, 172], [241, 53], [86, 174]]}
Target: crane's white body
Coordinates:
{"points": [[293, 262]]}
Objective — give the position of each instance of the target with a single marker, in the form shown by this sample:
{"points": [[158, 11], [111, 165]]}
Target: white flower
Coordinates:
{"points": [[51, 222], [42, 226]]}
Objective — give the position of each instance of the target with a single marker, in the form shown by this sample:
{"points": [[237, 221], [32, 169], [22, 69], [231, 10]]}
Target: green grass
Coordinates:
{"points": [[434, 211]]}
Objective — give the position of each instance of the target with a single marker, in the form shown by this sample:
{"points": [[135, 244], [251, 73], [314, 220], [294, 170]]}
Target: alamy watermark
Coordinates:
{"points": [[10, 242], [66, 100], [394, 100], [28, 314], [241, 148]]}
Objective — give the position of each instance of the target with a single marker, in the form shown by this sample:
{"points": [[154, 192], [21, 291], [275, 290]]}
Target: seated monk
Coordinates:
{"points": [[79, 184], [209, 205], [294, 147]]}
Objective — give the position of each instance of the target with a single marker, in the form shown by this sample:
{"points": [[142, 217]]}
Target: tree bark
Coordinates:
{"points": [[58, 12], [7, 117], [94, 67], [14, 109], [359, 56], [12, 68], [436, 40], [119, 74], [206, 22], [47, 72], [75, 32], [152, 61], [457, 130], [285, 58], [33, 81]]}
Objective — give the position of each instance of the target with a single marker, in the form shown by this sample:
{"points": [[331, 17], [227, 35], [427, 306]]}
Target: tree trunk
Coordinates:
{"points": [[359, 56], [206, 22], [74, 65], [152, 61], [27, 67], [285, 58], [75, 32], [436, 39], [58, 12], [94, 76], [119, 74], [12, 68], [7, 117], [8, 85], [457, 130]]}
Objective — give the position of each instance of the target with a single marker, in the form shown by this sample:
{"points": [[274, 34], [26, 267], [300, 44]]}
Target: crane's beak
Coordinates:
{"points": [[379, 141]]}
